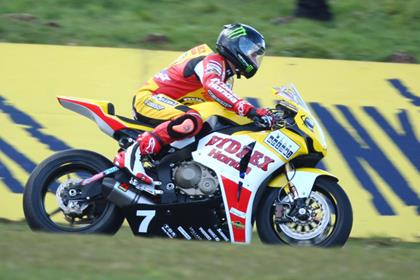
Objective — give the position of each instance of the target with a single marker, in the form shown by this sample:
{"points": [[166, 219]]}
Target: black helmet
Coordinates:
{"points": [[243, 46]]}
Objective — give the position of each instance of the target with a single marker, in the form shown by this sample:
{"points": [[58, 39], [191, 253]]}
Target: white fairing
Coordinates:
{"points": [[303, 181], [183, 143], [219, 152], [89, 114]]}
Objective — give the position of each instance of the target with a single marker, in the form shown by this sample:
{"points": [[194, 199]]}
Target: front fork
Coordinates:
{"points": [[290, 189], [296, 205]]}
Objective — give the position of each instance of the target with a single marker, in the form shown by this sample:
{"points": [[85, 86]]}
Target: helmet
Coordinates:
{"points": [[243, 46]]}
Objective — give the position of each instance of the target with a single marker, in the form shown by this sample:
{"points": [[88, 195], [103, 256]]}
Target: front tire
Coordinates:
{"points": [[331, 232], [100, 216]]}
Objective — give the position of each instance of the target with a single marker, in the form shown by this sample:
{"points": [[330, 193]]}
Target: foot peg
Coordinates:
{"points": [[149, 189]]}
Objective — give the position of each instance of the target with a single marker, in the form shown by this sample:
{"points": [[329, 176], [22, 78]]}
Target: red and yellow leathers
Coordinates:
{"points": [[198, 75]]}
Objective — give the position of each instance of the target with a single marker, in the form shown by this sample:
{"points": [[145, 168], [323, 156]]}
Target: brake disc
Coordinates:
{"points": [[315, 226], [68, 197]]}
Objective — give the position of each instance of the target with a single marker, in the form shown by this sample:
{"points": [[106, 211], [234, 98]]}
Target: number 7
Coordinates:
{"points": [[148, 216]]}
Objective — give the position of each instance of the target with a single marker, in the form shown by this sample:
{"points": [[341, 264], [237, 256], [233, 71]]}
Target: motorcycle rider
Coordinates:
{"points": [[198, 75]]}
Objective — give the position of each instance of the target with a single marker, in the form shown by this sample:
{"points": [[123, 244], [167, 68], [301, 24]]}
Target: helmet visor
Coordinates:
{"points": [[255, 52]]}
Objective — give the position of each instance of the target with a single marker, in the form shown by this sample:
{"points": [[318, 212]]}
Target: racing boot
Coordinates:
{"points": [[152, 142], [131, 159]]}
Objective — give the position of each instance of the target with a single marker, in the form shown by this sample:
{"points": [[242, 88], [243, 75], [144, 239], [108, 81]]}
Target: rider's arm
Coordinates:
{"points": [[212, 75]]}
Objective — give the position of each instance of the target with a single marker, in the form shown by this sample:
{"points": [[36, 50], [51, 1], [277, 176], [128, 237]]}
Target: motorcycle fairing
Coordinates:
{"points": [[222, 154], [190, 221], [101, 113], [209, 109], [302, 178]]}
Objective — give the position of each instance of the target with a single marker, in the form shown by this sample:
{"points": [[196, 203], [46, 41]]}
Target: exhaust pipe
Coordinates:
{"points": [[121, 196]]}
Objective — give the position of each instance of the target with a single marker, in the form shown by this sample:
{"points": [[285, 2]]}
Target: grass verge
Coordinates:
{"points": [[28, 255], [361, 30]]}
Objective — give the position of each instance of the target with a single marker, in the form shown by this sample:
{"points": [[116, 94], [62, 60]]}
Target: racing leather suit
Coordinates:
{"points": [[198, 75]]}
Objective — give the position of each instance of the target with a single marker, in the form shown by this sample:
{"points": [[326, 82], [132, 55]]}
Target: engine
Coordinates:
{"points": [[194, 179]]}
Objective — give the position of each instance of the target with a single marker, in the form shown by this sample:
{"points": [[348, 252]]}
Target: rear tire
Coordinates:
{"points": [[46, 174], [337, 234]]}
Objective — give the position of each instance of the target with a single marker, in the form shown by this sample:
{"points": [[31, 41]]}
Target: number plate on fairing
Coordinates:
{"points": [[190, 221]]}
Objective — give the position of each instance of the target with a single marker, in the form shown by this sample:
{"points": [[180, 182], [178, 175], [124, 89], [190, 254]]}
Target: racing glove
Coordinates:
{"points": [[262, 117]]}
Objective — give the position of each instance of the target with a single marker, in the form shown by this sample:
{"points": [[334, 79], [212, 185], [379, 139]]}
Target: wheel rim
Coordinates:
{"points": [[52, 211], [318, 228]]}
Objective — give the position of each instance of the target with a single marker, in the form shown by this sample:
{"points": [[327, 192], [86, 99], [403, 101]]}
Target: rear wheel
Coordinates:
{"points": [[325, 218], [53, 199]]}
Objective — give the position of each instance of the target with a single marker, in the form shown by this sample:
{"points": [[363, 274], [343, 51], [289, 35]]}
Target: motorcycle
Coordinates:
{"points": [[214, 186]]}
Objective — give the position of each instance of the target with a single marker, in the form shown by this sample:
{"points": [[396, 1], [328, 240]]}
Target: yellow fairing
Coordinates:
{"points": [[104, 105], [314, 134], [281, 180]]}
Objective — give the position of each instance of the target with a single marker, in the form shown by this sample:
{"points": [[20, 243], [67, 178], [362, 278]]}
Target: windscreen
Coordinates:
{"points": [[291, 93]]}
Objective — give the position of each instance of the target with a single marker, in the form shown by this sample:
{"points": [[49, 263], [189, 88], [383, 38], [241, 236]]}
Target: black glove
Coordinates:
{"points": [[262, 117]]}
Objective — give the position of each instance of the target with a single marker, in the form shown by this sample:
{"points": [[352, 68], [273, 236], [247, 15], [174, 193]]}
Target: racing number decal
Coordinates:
{"points": [[148, 216]]}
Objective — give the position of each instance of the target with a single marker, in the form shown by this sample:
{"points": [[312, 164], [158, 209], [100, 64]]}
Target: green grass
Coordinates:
{"points": [[28, 255], [362, 30]]}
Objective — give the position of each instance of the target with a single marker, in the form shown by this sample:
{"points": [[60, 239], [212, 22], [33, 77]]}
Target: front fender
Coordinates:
{"points": [[303, 180]]}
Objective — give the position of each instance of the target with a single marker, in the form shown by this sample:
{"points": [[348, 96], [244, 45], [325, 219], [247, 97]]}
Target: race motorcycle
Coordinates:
{"points": [[213, 186]]}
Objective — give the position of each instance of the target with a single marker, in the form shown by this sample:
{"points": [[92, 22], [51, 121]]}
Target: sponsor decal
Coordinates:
{"points": [[223, 89], [282, 144], [249, 68], [199, 50], [238, 213], [166, 100], [163, 76], [184, 233], [123, 187], [214, 67], [153, 105], [203, 232], [215, 237], [194, 233], [243, 61], [151, 144], [238, 225], [223, 103], [241, 108], [191, 100], [220, 231], [230, 151], [111, 170], [236, 33], [168, 231]]}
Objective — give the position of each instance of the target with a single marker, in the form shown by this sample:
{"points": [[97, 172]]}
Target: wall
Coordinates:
{"points": [[370, 112]]}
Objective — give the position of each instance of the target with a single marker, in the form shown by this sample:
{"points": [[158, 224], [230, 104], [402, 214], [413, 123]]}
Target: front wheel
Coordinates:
{"points": [[56, 180], [325, 217]]}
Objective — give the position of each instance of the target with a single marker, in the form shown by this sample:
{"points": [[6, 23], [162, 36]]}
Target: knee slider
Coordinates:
{"points": [[185, 125]]}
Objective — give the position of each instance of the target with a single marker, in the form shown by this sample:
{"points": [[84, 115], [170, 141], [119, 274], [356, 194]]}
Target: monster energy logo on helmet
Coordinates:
{"points": [[249, 67], [236, 33]]}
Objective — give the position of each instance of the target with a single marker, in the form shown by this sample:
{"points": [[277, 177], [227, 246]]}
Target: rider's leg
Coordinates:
{"points": [[185, 125], [173, 121]]}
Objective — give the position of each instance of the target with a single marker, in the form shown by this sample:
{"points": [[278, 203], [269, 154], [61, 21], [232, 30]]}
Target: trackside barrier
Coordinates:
{"points": [[370, 112]]}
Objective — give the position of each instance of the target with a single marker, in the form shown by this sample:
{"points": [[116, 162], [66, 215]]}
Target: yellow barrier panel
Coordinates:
{"points": [[370, 112]]}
